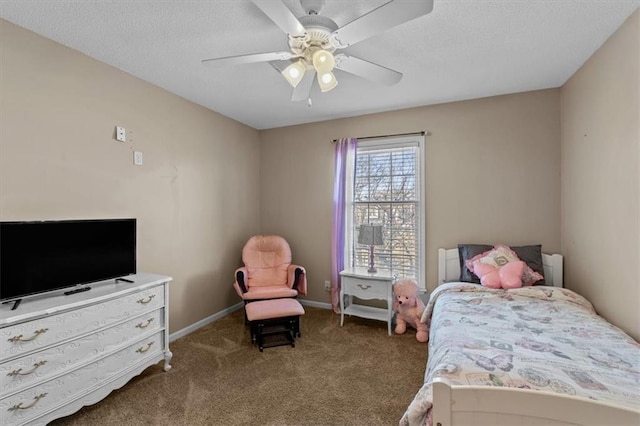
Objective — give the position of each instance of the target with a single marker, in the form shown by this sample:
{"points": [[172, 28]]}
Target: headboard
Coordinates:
{"points": [[449, 267]]}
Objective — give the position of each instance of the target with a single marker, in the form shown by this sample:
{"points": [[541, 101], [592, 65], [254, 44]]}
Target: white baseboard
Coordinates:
{"points": [[193, 327]]}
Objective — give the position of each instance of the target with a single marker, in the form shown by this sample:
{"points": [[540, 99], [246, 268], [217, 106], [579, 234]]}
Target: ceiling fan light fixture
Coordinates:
{"points": [[295, 72], [323, 61], [327, 81]]}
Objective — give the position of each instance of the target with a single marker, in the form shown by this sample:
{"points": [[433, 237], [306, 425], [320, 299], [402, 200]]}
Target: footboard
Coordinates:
{"points": [[481, 405]]}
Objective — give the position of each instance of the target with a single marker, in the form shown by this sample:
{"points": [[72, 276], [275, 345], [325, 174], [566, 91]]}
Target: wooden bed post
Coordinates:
{"points": [[441, 410], [442, 266], [558, 278]]}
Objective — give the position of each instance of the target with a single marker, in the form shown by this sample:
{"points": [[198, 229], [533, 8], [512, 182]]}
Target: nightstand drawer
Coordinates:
{"points": [[365, 289]]}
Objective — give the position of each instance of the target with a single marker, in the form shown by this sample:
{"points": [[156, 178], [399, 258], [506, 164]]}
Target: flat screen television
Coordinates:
{"points": [[37, 257]]}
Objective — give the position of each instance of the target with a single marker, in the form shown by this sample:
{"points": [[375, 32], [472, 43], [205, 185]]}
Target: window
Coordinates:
{"points": [[387, 190]]}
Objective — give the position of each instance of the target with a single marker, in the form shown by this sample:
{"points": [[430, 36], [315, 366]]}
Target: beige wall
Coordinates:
{"points": [[600, 178], [196, 197], [492, 175]]}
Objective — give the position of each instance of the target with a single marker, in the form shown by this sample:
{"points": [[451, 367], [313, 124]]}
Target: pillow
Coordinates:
{"points": [[499, 256], [507, 276], [532, 256], [467, 252]]}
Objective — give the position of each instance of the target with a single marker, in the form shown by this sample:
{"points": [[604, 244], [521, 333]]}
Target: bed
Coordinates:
{"points": [[536, 355]]}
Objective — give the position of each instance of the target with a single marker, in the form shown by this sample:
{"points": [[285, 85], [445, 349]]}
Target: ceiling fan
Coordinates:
{"points": [[314, 38]]}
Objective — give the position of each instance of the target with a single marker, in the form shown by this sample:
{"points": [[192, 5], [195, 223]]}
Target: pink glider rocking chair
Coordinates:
{"points": [[269, 285], [268, 272]]}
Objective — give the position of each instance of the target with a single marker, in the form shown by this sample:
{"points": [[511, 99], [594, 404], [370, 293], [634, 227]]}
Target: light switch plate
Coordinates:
{"points": [[137, 158], [121, 134]]}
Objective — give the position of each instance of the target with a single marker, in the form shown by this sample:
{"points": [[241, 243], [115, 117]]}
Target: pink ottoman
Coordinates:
{"points": [[274, 317]]}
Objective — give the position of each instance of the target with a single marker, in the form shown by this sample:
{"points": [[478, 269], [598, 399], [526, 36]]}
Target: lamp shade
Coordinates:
{"points": [[295, 72], [327, 81], [370, 235], [323, 61]]}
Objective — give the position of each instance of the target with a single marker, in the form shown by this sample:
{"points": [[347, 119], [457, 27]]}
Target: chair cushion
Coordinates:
{"points": [[273, 292], [266, 258], [274, 308]]}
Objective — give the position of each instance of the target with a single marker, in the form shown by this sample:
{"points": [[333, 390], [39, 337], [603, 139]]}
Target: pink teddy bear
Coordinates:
{"points": [[409, 308]]}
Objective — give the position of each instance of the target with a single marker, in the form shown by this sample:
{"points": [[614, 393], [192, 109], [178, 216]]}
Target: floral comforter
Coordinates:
{"points": [[537, 337]]}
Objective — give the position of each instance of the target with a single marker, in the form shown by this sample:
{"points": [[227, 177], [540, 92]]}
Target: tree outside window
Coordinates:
{"points": [[386, 191]]}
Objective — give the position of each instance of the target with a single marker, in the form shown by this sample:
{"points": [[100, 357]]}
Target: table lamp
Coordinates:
{"points": [[370, 235]]}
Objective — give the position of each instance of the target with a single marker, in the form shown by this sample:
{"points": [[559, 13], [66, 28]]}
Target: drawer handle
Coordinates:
{"points": [[143, 350], [19, 338], [26, 407], [144, 302], [18, 372], [364, 286], [141, 325]]}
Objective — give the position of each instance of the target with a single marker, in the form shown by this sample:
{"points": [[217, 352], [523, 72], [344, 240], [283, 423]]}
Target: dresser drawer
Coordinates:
{"points": [[366, 289], [30, 336], [38, 366], [33, 402]]}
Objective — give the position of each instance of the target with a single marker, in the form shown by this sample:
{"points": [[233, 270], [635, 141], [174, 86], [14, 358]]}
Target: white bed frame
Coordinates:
{"points": [[498, 406]]}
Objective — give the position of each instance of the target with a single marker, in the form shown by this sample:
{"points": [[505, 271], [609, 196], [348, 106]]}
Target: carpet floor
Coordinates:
{"points": [[350, 375]]}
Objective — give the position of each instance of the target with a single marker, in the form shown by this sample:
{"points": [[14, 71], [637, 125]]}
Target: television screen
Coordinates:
{"points": [[42, 256]]}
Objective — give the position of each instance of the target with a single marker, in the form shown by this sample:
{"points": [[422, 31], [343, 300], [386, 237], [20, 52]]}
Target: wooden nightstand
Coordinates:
{"points": [[363, 285]]}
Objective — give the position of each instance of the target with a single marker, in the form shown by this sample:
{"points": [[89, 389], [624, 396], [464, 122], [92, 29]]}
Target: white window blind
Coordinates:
{"points": [[387, 192]]}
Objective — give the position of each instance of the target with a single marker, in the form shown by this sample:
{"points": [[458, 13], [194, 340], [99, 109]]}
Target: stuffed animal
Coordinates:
{"points": [[409, 308]]}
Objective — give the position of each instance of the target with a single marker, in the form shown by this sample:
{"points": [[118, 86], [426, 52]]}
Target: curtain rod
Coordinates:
{"points": [[421, 133]]}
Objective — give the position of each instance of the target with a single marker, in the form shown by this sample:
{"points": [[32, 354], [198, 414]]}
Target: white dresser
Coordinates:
{"points": [[60, 353]]}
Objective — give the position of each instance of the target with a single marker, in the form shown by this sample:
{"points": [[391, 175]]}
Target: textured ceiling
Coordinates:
{"points": [[462, 50]]}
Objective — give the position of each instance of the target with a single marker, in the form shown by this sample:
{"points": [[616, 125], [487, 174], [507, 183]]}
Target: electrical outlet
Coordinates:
{"points": [[137, 158], [121, 134], [327, 285]]}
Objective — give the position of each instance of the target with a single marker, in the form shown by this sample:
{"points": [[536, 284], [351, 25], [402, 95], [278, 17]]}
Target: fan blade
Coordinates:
{"points": [[369, 70], [248, 59], [282, 16], [302, 91], [388, 15]]}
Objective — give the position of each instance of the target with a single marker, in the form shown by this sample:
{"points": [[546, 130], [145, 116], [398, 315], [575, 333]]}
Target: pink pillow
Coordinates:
{"points": [[499, 256], [511, 274], [507, 276], [489, 275], [529, 276]]}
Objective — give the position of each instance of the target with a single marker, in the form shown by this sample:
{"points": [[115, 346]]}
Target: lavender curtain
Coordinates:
{"points": [[344, 150]]}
